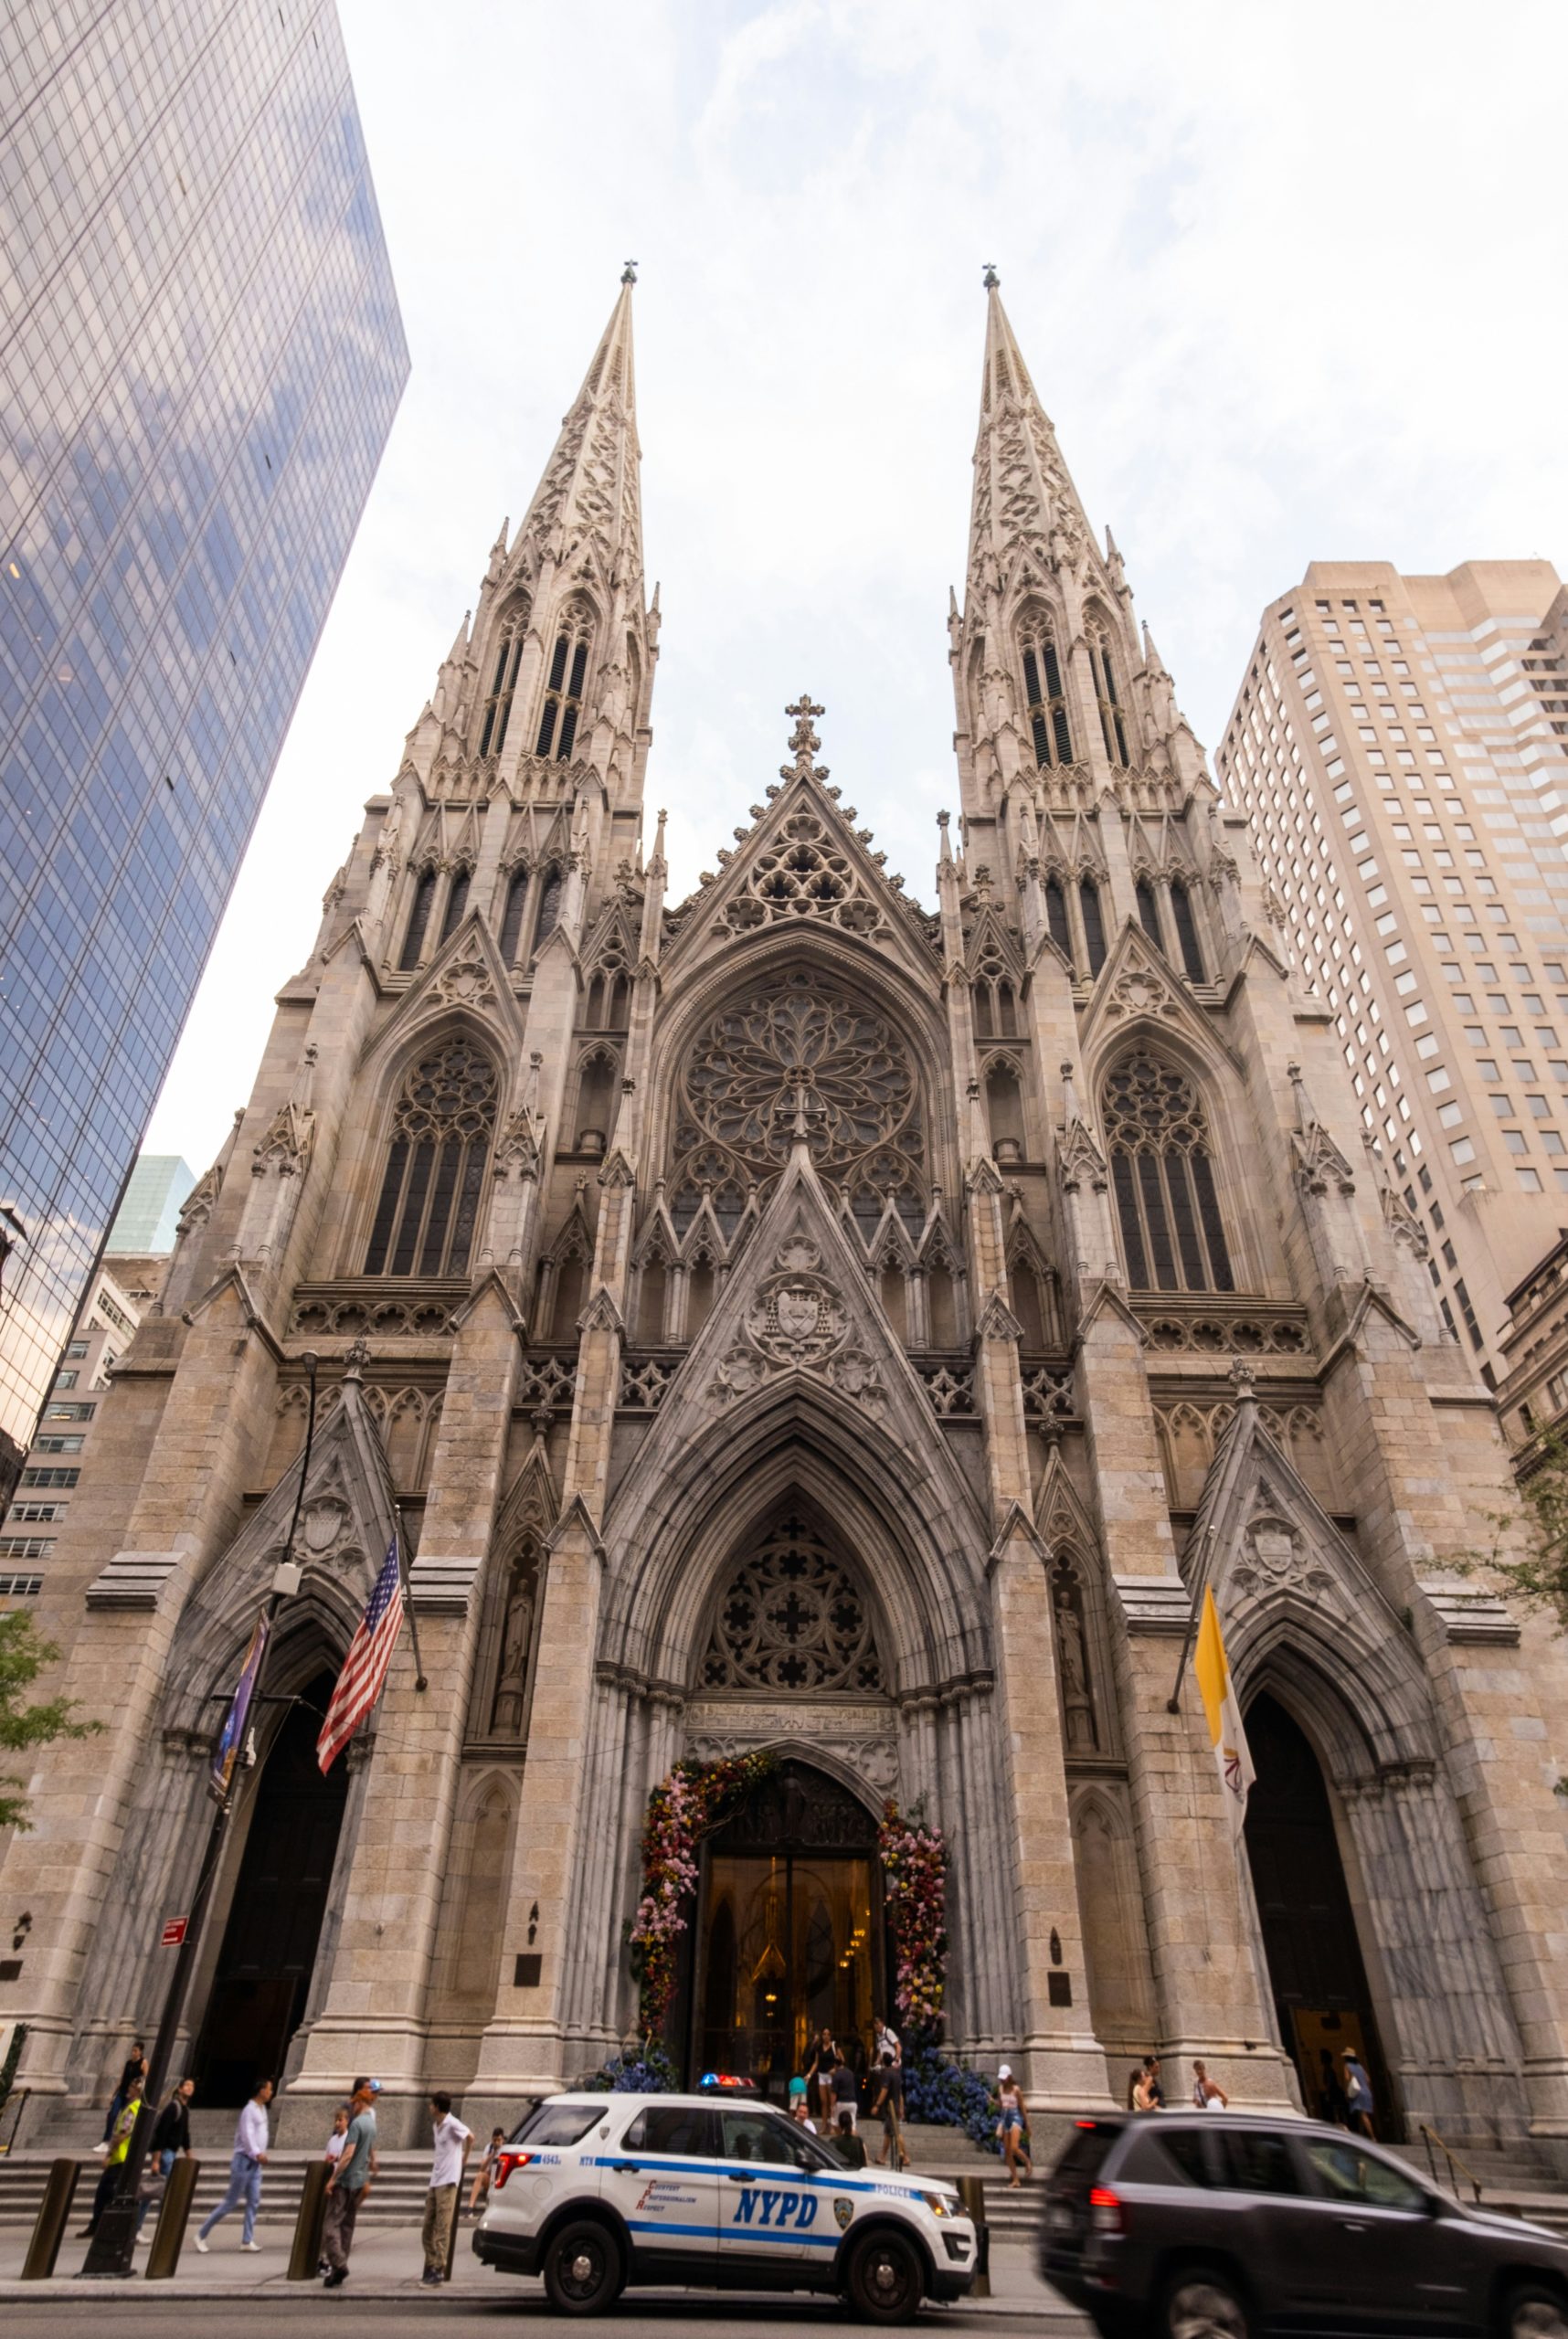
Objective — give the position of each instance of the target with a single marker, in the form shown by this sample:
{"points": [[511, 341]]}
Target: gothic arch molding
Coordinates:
{"points": [[384, 1070], [670, 1536]]}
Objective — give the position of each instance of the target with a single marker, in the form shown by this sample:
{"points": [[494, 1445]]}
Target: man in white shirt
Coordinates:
{"points": [[453, 2143], [252, 2138]]}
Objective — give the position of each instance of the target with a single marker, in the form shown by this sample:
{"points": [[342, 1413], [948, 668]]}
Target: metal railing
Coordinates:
{"points": [[1429, 2137]]}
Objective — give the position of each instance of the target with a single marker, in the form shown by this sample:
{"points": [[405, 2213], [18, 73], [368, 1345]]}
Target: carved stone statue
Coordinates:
{"points": [[512, 1675], [1077, 1705]]}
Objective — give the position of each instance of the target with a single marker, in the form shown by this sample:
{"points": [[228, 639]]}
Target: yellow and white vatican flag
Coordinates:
{"points": [[1226, 1732]]}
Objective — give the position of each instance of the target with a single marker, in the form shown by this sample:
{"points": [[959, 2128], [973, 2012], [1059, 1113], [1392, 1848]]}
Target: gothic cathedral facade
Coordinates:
{"points": [[792, 1318]]}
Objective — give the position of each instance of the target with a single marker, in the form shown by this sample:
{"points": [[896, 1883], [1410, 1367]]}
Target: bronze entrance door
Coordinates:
{"points": [[790, 1932]]}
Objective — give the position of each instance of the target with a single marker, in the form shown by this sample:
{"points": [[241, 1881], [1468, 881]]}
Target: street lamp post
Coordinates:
{"points": [[113, 2245]]}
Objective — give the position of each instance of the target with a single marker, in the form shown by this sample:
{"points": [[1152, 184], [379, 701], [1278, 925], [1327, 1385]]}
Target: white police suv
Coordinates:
{"points": [[598, 2191]]}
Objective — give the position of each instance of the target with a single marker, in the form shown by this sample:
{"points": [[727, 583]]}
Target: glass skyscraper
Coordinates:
{"points": [[201, 361]]}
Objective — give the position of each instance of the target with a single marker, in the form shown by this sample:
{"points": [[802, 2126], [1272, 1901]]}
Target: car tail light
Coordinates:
{"points": [[504, 2164], [1107, 2214]]}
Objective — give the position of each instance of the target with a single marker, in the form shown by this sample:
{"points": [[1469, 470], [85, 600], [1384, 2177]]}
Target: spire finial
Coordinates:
{"points": [[628, 273], [988, 276], [804, 741]]}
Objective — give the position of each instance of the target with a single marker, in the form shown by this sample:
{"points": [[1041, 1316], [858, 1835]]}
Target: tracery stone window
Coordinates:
{"points": [[1046, 702], [419, 921], [792, 1617], [800, 1042], [1187, 931], [563, 687], [434, 1178], [1113, 726], [1157, 1139], [497, 711], [805, 873]]}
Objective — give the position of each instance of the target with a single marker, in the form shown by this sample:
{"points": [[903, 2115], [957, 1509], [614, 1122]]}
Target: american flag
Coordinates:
{"points": [[365, 1667]]}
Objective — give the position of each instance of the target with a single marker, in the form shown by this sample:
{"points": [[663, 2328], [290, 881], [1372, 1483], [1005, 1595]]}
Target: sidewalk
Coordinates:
{"points": [[387, 2265]]}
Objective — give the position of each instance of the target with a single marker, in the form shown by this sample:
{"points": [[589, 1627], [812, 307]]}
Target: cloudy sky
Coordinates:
{"points": [[1290, 283]]}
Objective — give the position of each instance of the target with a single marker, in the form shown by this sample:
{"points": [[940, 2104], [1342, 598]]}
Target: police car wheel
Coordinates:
{"points": [[885, 2279], [582, 2269]]}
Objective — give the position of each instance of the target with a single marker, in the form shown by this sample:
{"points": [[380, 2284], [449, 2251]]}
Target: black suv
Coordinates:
{"points": [[1215, 2226]]}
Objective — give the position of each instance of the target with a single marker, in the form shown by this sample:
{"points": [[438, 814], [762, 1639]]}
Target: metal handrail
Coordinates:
{"points": [[1452, 2157]]}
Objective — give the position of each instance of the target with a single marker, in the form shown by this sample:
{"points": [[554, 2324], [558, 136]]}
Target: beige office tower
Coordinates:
{"points": [[1401, 744]]}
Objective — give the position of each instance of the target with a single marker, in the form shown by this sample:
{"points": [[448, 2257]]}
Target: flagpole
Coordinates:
{"points": [[1173, 1703], [112, 2249], [419, 1680]]}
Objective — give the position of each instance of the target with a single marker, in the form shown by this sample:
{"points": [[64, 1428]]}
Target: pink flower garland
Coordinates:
{"points": [[692, 1800], [914, 1869]]}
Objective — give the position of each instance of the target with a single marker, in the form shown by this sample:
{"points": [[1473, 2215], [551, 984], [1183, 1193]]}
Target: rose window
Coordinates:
{"points": [[792, 1618], [800, 1049]]}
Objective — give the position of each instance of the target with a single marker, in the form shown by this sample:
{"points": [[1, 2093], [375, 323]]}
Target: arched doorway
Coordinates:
{"points": [[1315, 1967], [263, 1974], [789, 1935]]}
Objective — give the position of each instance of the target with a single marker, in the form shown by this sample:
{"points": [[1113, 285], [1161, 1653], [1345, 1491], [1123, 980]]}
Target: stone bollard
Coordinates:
{"points": [[54, 2215], [173, 2214], [305, 2255], [971, 2191]]}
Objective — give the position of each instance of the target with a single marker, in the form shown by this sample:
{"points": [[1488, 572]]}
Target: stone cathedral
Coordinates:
{"points": [[792, 1318]]}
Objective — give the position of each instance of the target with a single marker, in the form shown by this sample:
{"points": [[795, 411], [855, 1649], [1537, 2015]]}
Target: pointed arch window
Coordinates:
{"points": [[504, 680], [419, 921], [1056, 917], [1187, 931], [1094, 923], [1044, 697], [1173, 1238], [457, 902], [549, 907], [511, 916], [564, 691], [433, 1182], [1148, 911], [1113, 726]]}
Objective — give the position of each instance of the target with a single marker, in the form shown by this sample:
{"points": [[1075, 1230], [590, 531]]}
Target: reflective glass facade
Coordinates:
{"points": [[201, 361]]}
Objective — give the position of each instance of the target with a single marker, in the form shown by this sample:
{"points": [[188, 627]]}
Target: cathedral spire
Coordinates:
{"points": [[1025, 506], [589, 502]]}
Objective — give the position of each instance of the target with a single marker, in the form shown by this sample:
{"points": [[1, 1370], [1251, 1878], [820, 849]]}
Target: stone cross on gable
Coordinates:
{"points": [[804, 741]]}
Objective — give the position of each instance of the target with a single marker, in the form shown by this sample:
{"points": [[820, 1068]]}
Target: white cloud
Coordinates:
{"points": [[1288, 283]]}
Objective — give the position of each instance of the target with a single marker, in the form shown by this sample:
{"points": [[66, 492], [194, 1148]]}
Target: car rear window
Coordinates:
{"points": [[1256, 2162], [1161, 2155], [683, 2128], [1084, 2155], [558, 2123]]}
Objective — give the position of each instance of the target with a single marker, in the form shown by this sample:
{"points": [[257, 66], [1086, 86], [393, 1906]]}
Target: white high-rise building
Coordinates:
{"points": [[1401, 744]]}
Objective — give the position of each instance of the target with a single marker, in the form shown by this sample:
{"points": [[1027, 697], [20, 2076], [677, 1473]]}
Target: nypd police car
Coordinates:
{"points": [[595, 2191]]}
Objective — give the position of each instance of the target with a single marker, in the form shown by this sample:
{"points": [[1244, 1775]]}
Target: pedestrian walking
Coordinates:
{"points": [[819, 2071], [1207, 2092], [1332, 2104], [1010, 2127], [135, 2074], [454, 2143], [888, 2099], [480, 2191], [119, 2145], [844, 2141], [252, 2139], [171, 2137], [887, 2039], [1358, 2103], [845, 2092], [345, 2187]]}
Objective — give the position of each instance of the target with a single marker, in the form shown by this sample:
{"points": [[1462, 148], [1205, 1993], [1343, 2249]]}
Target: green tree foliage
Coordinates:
{"points": [[1542, 1574], [23, 1656]]}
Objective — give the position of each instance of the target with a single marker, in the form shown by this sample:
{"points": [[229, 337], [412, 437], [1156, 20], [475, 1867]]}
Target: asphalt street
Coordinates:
{"points": [[256, 2318]]}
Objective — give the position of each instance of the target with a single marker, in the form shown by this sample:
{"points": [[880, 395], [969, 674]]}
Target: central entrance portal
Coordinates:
{"points": [[789, 1936]]}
